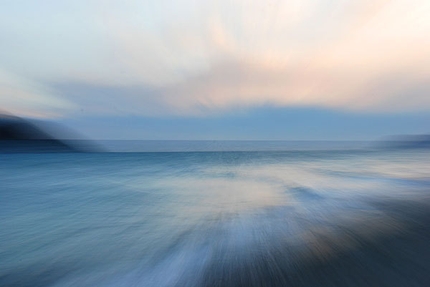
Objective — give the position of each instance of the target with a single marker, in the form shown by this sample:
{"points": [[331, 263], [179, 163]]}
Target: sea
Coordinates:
{"points": [[216, 213]]}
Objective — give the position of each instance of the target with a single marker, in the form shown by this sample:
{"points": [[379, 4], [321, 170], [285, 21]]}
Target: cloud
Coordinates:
{"points": [[194, 58], [29, 98]]}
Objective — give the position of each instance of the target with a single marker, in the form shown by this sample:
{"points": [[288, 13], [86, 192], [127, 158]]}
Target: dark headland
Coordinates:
{"points": [[18, 135]]}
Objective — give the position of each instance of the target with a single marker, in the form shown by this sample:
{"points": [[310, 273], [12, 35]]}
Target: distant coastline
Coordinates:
{"points": [[18, 135]]}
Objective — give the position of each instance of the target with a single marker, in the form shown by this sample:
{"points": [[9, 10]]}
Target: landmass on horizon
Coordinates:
{"points": [[18, 135]]}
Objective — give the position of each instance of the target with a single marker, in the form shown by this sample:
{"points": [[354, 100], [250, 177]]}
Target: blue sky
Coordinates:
{"points": [[262, 123], [235, 69]]}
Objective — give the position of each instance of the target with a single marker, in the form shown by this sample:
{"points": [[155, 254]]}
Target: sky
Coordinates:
{"points": [[300, 69]]}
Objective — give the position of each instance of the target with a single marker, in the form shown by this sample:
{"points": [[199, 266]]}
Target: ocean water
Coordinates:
{"points": [[322, 217]]}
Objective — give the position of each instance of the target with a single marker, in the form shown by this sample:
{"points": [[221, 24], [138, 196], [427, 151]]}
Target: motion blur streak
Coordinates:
{"points": [[356, 217], [199, 58], [19, 135]]}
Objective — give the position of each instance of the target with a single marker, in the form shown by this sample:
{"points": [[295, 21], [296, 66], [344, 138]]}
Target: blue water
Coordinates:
{"points": [[265, 218]]}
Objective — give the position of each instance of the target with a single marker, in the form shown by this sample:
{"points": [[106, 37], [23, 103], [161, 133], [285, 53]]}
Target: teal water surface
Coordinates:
{"points": [[244, 218]]}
